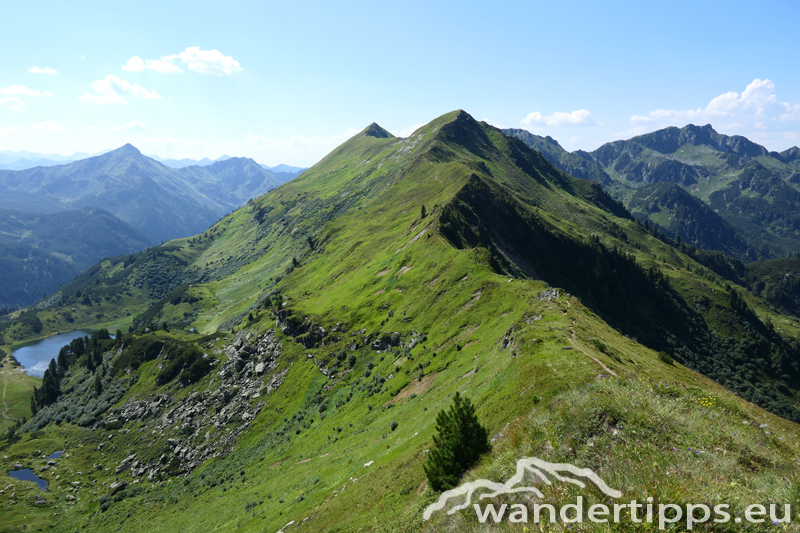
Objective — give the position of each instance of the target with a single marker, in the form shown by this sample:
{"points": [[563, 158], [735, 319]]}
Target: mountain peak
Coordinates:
{"points": [[373, 130], [127, 148]]}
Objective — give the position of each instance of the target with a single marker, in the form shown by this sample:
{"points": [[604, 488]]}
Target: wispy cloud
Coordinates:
{"points": [[756, 109], [45, 70], [137, 64], [13, 103], [580, 117], [113, 90], [195, 59]]}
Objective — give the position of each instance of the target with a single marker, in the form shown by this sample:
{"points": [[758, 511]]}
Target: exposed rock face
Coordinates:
{"points": [[218, 415]]}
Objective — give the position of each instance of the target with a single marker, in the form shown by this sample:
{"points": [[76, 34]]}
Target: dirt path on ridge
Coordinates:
{"points": [[575, 345], [4, 414]]}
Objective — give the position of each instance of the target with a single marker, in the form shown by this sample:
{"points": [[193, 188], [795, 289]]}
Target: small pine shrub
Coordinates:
{"points": [[666, 358]]}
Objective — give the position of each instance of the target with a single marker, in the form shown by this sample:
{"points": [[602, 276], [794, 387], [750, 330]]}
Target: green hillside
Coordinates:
{"points": [[38, 253], [283, 369], [680, 214]]}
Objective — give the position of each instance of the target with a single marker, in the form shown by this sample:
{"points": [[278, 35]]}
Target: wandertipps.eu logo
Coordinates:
{"points": [[531, 469]]}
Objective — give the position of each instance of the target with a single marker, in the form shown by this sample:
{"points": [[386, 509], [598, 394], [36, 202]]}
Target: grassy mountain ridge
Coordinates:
{"points": [[466, 294], [481, 169]]}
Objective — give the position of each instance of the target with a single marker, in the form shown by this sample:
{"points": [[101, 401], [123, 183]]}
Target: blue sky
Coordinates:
{"points": [[287, 82]]}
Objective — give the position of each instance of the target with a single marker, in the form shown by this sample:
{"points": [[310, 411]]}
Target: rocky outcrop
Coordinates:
{"points": [[205, 423]]}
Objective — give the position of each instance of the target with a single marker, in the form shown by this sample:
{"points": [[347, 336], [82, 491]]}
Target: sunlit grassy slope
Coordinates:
{"points": [[505, 288]]}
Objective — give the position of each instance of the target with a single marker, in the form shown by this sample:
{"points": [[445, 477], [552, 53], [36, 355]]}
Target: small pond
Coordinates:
{"points": [[55, 455], [28, 475]]}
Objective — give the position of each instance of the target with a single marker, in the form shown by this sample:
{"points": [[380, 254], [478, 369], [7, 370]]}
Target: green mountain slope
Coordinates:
{"points": [[160, 201], [338, 313], [38, 253], [579, 164], [681, 214]]}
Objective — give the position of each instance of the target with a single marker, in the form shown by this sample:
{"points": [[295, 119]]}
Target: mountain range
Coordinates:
{"points": [[741, 186], [284, 368], [163, 202], [59, 218]]}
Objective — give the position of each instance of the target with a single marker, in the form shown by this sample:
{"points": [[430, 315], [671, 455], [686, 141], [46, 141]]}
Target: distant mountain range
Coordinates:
{"points": [[715, 191], [160, 201], [24, 160], [181, 163], [56, 218]]}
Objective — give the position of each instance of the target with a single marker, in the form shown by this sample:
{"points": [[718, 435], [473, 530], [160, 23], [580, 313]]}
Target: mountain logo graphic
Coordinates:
{"points": [[461, 497]]}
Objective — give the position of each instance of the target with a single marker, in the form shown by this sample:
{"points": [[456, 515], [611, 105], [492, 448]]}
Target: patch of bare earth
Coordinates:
{"points": [[415, 387], [382, 273], [475, 297]]}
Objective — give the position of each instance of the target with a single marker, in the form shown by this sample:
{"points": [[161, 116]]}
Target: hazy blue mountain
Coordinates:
{"points": [[232, 181], [164, 203], [39, 252], [23, 164], [285, 169], [9, 156], [181, 163]]}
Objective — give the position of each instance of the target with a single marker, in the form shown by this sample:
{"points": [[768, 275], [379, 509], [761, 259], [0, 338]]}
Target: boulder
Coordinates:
{"points": [[125, 464], [113, 424], [117, 486]]}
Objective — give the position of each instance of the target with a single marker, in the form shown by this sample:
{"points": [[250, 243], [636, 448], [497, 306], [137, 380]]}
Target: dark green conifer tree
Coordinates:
{"points": [[459, 443]]}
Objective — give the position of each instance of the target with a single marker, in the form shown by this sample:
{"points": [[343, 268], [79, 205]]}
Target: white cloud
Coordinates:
{"points": [[45, 70], [137, 64], [209, 61], [202, 61], [13, 103], [580, 117], [131, 126], [792, 112], [755, 110], [23, 91], [113, 90]]}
